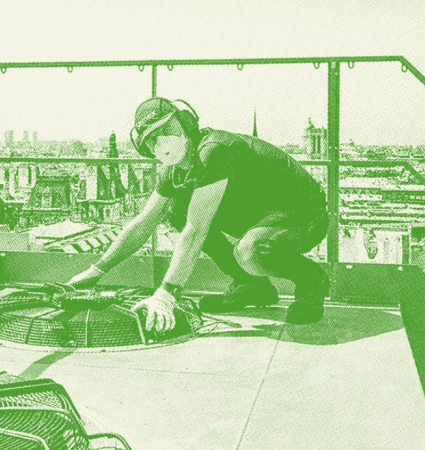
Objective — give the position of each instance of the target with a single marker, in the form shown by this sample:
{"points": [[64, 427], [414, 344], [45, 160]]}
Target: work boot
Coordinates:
{"points": [[308, 306], [305, 311], [237, 296]]}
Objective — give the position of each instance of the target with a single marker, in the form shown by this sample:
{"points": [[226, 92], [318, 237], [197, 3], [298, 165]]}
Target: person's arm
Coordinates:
{"points": [[203, 206], [135, 233]]}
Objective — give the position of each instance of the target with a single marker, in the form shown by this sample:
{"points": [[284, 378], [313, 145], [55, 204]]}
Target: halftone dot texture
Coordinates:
{"points": [[361, 394]]}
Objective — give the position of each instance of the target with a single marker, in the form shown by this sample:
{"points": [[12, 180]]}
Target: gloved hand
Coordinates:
{"points": [[160, 310], [87, 279]]}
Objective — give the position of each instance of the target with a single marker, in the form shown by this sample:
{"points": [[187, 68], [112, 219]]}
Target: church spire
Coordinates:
{"points": [[255, 132]]}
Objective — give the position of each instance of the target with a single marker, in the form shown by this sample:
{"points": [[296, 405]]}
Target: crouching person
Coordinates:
{"points": [[214, 183]]}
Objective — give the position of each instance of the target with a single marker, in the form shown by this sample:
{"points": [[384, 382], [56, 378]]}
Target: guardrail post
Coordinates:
{"points": [[156, 281], [154, 80], [156, 273], [333, 168]]}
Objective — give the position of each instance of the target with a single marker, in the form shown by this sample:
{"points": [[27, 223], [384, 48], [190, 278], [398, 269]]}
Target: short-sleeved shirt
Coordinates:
{"points": [[261, 178]]}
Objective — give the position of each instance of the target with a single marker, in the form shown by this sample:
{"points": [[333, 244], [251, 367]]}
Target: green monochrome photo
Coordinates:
{"points": [[212, 225]]}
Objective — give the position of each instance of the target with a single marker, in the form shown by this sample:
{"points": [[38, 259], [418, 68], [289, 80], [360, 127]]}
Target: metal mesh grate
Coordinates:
{"points": [[112, 327], [41, 411], [20, 299], [10, 440], [14, 328], [92, 319], [32, 399], [51, 329], [77, 327], [58, 428], [20, 392]]}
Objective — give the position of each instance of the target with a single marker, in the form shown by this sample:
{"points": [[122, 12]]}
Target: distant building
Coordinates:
{"points": [[350, 151], [376, 153], [11, 212], [103, 194], [101, 202], [315, 142], [48, 203], [103, 198], [138, 189], [9, 139], [35, 142], [26, 137], [18, 179]]}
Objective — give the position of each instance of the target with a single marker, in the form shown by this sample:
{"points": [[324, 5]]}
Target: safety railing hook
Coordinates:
{"points": [[141, 68], [70, 69], [3, 69], [316, 65], [403, 68], [240, 66], [351, 64]]}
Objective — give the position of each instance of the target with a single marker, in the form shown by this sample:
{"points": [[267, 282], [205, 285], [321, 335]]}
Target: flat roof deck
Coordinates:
{"points": [[348, 382]]}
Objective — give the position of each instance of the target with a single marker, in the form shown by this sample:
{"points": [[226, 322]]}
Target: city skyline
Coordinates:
{"points": [[22, 136]]}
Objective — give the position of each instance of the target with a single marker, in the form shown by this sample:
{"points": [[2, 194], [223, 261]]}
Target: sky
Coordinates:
{"points": [[379, 104]]}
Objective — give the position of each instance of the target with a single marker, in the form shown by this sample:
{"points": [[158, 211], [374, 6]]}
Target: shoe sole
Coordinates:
{"points": [[294, 322]]}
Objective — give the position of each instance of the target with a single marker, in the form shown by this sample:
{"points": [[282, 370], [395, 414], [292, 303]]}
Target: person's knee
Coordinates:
{"points": [[247, 255]]}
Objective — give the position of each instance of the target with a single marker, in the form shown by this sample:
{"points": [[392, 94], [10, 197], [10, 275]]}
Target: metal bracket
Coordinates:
{"points": [[316, 65], [3, 69], [403, 68], [170, 67], [351, 64], [240, 66], [70, 69], [141, 68]]}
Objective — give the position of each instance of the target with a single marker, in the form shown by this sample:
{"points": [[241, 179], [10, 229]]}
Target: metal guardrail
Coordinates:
{"points": [[203, 62], [5, 159], [334, 67]]}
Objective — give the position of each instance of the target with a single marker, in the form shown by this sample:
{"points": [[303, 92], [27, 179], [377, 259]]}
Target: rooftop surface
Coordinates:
{"points": [[348, 382]]}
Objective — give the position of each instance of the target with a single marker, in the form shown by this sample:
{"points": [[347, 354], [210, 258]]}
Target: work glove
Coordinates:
{"points": [[159, 310], [87, 279]]}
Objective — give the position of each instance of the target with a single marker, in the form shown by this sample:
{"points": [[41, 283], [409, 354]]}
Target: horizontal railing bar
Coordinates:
{"points": [[380, 163], [14, 159], [304, 162], [199, 62]]}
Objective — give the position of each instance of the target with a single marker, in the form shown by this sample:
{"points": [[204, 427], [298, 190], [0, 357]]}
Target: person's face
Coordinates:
{"points": [[168, 143]]}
